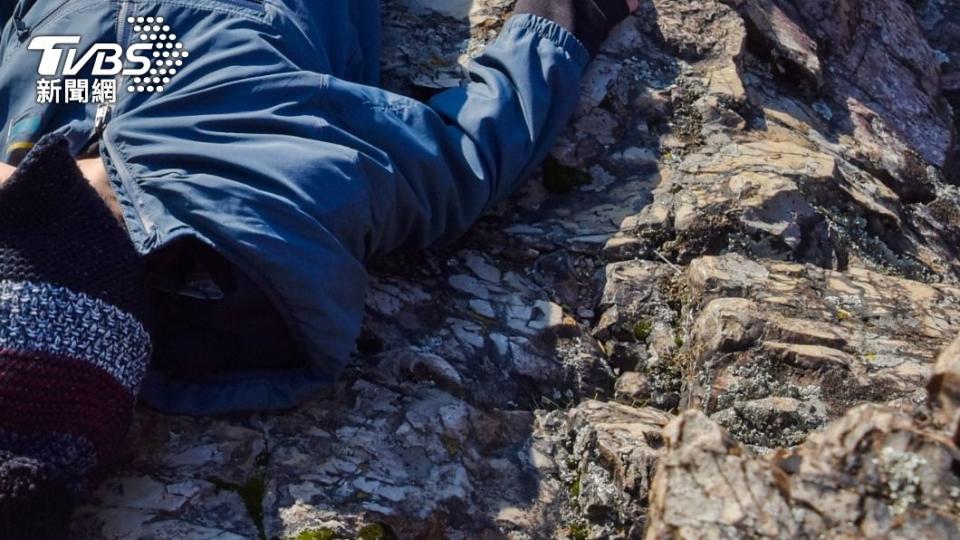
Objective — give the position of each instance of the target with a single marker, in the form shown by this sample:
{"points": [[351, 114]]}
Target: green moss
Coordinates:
{"points": [[316, 534], [376, 531], [575, 489], [251, 492], [577, 532], [451, 444], [559, 178], [642, 330], [678, 340]]}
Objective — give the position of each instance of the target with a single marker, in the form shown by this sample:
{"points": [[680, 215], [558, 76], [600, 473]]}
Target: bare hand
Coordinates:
{"points": [[633, 5], [5, 171], [96, 174]]}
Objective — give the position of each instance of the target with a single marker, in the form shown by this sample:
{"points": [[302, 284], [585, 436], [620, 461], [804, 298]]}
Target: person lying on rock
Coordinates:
{"points": [[213, 222]]}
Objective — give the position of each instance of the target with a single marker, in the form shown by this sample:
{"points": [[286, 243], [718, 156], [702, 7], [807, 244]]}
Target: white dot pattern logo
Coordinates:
{"points": [[167, 53]]}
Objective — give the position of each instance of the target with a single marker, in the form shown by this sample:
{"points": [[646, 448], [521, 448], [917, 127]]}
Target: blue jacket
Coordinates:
{"points": [[272, 144]]}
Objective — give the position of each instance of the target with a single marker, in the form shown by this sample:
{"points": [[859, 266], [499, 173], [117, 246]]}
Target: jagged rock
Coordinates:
{"points": [[708, 35], [633, 387], [872, 474], [730, 190], [423, 63], [612, 453], [787, 193], [726, 325], [774, 349], [635, 307], [184, 478], [940, 22], [429, 433], [702, 487], [944, 388], [772, 421], [640, 307], [823, 339], [882, 76], [842, 172]]}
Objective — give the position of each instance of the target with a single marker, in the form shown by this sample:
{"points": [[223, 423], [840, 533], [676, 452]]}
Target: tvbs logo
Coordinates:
{"points": [[108, 59], [149, 62]]}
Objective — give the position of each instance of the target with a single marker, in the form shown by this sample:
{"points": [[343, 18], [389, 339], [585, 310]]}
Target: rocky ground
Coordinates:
{"points": [[716, 312]]}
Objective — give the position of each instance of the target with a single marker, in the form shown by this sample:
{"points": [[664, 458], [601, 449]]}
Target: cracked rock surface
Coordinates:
{"points": [[722, 308], [871, 474]]}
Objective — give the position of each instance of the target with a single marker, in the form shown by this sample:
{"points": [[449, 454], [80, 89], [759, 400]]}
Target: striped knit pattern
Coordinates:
{"points": [[56, 399], [47, 320], [70, 366], [73, 343]]}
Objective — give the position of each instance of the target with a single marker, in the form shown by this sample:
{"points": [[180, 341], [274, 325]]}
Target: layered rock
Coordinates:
{"points": [[944, 389], [824, 339], [877, 75], [872, 474], [842, 167], [610, 453]]}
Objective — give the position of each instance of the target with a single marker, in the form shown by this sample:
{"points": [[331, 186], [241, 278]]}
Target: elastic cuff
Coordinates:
{"points": [[553, 32], [589, 20]]}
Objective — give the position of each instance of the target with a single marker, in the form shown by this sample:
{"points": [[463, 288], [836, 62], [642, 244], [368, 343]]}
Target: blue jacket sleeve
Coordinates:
{"points": [[6, 10], [435, 167]]}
